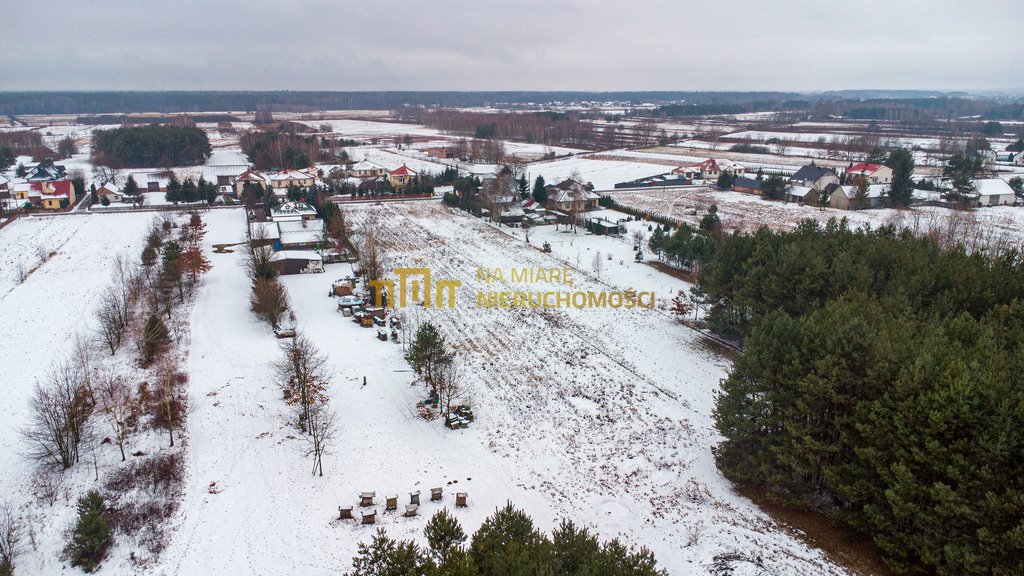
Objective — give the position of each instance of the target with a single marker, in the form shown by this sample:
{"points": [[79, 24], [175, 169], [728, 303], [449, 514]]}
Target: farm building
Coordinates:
{"points": [[299, 262], [994, 192], [603, 227], [746, 185]]}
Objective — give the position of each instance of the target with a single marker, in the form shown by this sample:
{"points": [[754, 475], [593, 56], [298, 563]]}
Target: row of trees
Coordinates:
{"points": [[187, 191], [83, 401], [880, 384], [272, 149], [155, 146], [506, 543]]}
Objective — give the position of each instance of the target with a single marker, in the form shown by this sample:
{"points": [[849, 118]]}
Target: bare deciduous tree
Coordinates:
{"points": [[322, 427], [452, 388], [12, 533], [169, 403], [597, 265], [60, 408], [112, 315], [303, 375], [117, 405]]}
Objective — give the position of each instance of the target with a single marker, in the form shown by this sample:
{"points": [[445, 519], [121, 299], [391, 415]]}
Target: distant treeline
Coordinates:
{"points": [[540, 127], [100, 119], [150, 147], [287, 101]]}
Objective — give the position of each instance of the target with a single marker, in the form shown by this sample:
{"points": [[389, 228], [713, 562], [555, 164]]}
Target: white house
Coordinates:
{"points": [[994, 192], [873, 173]]}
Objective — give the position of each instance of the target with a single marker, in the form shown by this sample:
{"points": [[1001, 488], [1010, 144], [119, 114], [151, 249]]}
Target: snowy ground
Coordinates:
{"points": [[598, 415], [747, 212], [43, 315], [581, 414]]}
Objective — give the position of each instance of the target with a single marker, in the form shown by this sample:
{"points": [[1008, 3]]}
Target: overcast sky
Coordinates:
{"points": [[524, 45]]}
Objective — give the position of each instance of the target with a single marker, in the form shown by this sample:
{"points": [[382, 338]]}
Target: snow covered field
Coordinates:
{"points": [[748, 213], [602, 416], [42, 317]]}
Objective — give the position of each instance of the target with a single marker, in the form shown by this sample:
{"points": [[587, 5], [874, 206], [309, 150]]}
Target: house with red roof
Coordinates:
{"points": [[402, 176], [873, 173], [711, 169], [47, 195]]}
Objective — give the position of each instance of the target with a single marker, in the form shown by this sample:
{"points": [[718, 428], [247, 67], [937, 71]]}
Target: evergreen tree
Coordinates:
{"points": [[961, 170], [444, 536], [131, 188], [725, 181], [540, 191], [7, 158], [524, 186], [92, 535], [774, 188], [507, 544], [1017, 184], [428, 354], [901, 189]]}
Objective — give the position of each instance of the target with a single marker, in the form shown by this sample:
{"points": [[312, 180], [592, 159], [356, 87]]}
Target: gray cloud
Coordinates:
{"points": [[531, 44]]}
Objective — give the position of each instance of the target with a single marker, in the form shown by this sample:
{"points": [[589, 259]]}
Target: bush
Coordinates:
{"points": [[92, 535]]}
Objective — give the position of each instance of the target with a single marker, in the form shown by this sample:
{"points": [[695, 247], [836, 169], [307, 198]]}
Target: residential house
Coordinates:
{"points": [[110, 191], [367, 169], [873, 173], [152, 181], [287, 178], [1018, 158], [849, 197], [44, 194], [264, 234], [711, 169], [252, 177], [814, 177], [46, 171], [403, 176], [746, 185], [300, 234], [994, 192], [223, 169], [571, 196], [292, 211]]}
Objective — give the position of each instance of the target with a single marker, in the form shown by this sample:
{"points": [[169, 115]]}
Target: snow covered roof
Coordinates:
{"points": [[109, 187], [873, 191], [289, 175], [253, 176], [293, 209], [299, 255], [270, 230], [993, 187], [366, 165]]}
